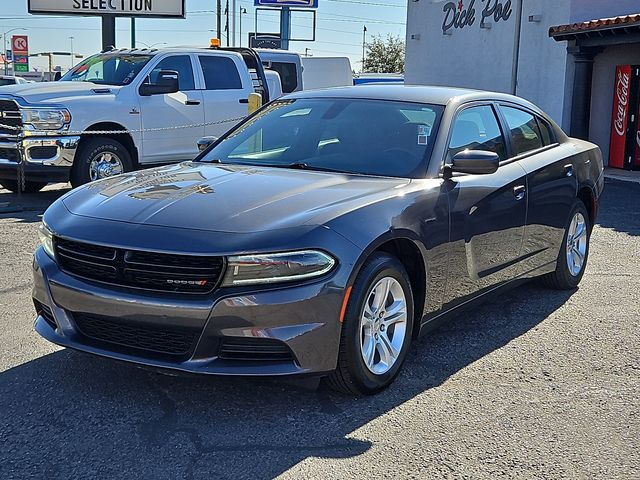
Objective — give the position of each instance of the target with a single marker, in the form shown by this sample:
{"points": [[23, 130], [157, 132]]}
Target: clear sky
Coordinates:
{"points": [[339, 29]]}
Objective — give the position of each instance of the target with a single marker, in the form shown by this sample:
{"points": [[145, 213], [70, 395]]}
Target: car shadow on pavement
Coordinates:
{"points": [[72, 415], [23, 206], [619, 209]]}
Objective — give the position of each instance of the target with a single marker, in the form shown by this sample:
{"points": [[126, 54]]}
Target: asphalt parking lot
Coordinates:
{"points": [[534, 384]]}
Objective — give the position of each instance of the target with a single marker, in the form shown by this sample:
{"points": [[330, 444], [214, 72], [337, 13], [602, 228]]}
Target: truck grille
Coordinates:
{"points": [[139, 269], [149, 338], [9, 115]]}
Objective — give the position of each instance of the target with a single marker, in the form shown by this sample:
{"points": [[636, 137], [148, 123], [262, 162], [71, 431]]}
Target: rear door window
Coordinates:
{"points": [[525, 133], [220, 73], [476, 128]]}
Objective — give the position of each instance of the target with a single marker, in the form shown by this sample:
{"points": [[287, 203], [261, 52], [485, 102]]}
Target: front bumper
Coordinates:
{"points": [[305, 318], [47, 159]]}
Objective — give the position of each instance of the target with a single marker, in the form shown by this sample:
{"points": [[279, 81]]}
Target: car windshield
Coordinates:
{"points": [[108, 69], [370, 137], [7, 81]]}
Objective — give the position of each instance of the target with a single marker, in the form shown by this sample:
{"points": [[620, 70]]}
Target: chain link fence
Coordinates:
{"points": [[21, 134]]}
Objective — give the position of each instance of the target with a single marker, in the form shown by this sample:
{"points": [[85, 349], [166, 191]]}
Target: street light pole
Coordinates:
{"points": [[71, 38], [242, 11]]}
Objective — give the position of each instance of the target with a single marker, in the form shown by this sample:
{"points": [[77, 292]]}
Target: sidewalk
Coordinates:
{"points": [[622, 175]]}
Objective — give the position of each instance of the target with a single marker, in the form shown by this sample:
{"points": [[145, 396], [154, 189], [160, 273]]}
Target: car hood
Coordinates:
{"points": [[52, 92], [226, 198]]}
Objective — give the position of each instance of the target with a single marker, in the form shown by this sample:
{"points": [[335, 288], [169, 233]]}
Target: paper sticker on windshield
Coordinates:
{"points": [[424, 130], [423, 140]]}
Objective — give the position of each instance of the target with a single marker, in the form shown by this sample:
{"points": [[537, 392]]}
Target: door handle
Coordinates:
{"points": [[192, 102], [243, 100], [519, 192], [568, 170]]}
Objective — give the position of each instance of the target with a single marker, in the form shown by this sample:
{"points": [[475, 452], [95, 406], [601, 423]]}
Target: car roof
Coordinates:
{"points": [[435, 95]]}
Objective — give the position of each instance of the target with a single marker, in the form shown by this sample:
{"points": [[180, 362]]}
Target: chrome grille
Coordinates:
{"points": [[9, 115], [139, 269]]}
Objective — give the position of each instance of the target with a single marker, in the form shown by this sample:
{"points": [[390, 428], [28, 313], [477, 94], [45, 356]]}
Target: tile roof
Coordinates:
{"points": [[573, 29]]}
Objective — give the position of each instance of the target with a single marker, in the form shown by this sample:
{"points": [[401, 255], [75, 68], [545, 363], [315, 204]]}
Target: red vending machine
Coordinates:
{"points": [[624, 150]]}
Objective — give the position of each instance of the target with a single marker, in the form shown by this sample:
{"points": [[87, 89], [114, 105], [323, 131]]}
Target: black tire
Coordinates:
{"points": [[89, 149], [29, 187], [352, 376], [562, 278]]}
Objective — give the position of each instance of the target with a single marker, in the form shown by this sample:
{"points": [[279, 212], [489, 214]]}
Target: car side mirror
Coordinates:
{"points": [[206, 142], [476, 162], [168, 81]]}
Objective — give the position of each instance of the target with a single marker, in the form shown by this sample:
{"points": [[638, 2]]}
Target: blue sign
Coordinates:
{"points": [[9, 55], [286, 3]]}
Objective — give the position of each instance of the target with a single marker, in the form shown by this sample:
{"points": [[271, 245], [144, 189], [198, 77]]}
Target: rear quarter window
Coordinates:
{"points": [[220, 73]]}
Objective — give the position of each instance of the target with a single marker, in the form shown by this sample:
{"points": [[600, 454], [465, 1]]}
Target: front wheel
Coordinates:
{"points": [[377, 329], [574, 252], [98, 158]]}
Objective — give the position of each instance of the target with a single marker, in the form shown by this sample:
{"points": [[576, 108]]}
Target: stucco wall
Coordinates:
{"points": [[482, 58]]}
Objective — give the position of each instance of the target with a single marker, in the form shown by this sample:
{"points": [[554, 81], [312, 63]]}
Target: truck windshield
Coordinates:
{"points": [[108, 69], [369, 137]]}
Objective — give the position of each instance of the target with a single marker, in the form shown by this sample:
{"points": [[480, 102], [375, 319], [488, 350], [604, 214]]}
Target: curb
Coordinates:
{"points": [[622, 175]]}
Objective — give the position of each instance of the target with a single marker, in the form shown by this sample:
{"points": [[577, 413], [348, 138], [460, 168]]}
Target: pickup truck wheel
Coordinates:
{"points": [[29, 187], [100, 158]]}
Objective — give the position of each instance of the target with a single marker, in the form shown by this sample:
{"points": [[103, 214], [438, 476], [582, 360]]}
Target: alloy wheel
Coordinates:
{"points": [[383, 325], [576, 244]]}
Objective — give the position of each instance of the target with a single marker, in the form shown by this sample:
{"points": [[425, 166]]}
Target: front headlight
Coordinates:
{"points": [[46, 118], [46, 239], [276, 267]]}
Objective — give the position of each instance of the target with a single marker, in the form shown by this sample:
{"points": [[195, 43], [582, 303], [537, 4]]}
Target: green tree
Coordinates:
{"points": [[385, 55]]}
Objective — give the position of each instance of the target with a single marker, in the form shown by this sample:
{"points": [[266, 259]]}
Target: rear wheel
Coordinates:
{"points": [[572, 259], [29, 187], [377, 329], [98, 158]]}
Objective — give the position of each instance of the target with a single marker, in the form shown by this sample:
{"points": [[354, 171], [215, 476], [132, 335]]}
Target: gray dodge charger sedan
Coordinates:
{"points": [[320, 236]]}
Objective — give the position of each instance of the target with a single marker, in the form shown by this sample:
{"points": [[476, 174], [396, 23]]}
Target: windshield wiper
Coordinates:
{"points": [[306, 166]]}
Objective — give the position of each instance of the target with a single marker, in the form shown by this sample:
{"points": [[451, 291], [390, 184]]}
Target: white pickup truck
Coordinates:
{"points": [[159, 103]]}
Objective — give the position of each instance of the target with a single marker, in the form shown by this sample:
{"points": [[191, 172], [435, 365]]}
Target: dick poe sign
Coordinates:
{"points": [[462, 13]]}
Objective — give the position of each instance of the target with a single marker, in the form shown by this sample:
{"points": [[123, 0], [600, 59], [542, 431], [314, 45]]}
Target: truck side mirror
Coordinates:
{"points": [[168, 81]]}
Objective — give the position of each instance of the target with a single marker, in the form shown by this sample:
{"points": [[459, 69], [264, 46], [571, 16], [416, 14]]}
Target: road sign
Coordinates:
{"points": [[9, 56], [286, 3], [121, 8], [265, 40], [20, 45]]}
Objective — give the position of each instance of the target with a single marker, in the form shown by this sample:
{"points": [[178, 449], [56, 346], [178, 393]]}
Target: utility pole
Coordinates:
{"points": [[133, 32], [234, 10], [364, 45], [226, 18], [219, 18]]}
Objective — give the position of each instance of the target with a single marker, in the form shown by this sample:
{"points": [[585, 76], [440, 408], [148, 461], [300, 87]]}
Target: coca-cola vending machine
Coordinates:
{"points": [[624, 150]]}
